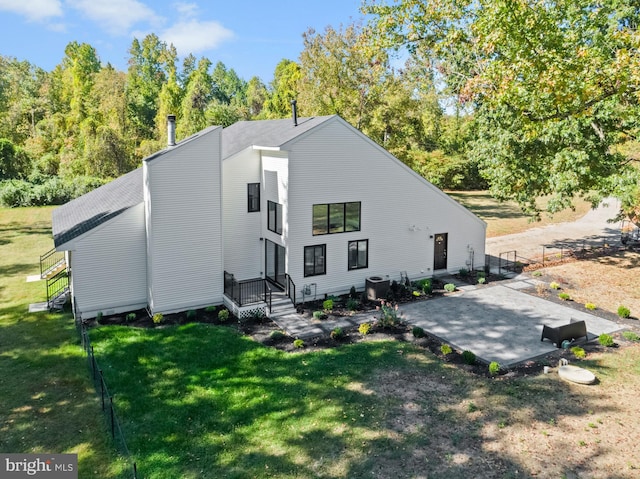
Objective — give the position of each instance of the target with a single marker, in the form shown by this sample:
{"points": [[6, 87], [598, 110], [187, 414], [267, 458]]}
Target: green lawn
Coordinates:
{"points": [[47, 402]]}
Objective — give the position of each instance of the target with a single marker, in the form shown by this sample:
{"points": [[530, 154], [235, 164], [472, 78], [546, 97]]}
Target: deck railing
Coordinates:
{"points": [[244, 292], [50, 261], [290, 289], [57, 285]]}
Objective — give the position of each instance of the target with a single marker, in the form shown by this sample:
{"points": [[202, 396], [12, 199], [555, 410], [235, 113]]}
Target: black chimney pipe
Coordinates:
{"points": [[294, 107]]}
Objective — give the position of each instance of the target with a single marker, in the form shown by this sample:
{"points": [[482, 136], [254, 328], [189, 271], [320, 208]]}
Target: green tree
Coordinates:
{"points": [[198, 94], [228, 87], [256, 97], [553, 85], [14, 162], [283, 89]]}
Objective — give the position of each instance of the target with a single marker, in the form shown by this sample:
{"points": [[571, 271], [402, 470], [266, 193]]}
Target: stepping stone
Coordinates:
{"points": [[576, 374]]}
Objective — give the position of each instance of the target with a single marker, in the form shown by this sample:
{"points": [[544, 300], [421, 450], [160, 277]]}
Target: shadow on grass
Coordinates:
{"points": [[201, 401]]}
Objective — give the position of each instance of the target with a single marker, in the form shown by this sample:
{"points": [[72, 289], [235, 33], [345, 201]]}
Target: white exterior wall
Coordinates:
{"points": [[183, 199], [275, 178], [336, 164], [243, 250], [108, 266]]}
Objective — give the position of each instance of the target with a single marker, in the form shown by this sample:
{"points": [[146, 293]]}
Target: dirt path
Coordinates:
{"points": [[592, 230]]}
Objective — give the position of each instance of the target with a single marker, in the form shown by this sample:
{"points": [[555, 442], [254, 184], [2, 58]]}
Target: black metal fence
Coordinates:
{"points": [[106, 400], [57, 285], [50, 261], [244, 292]]}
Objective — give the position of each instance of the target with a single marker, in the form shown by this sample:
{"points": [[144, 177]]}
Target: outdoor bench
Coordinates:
{"points": [[558, 334]]}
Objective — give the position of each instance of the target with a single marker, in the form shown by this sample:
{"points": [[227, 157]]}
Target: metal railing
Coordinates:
{"points": [[244, 292], [50, 261], [57, 285], [290, 289]]}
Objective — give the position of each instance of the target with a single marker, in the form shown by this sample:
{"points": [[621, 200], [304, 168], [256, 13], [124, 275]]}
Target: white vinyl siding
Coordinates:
{"points": [[183, 196], [399, 211], [243, 250], [108, 266]]}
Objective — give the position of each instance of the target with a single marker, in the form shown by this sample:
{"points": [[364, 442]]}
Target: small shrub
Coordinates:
{"points": [[606, 340], [99, 317], [131, 317], [426, 285], [624, 312], [277, 334], [630, 336], [319, 315], [352, 293], [298, 343], [590, 306], [416, 293], [472, 407], [468, 357], [564, 296], [389, 314], [210, 309], [554, 285], [364, 328], [450, 287], [157, 318], [481, 274], [417, 332], [223, 315], [536, 273], [352, 304], [482, 280], [327, 305], [336, 333], [445, 349], [578, 352], [494, 368], [191, 315], [463, 272]]}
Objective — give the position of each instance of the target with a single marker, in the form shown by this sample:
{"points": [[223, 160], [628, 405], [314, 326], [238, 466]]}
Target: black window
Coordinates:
{"points": [[358, 254], [314, 260], [253, 197], [274, 217], [336, 218]]}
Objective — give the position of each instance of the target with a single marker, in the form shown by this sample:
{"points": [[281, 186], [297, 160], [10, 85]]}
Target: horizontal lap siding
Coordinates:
{"points": [[243, 250], [275, 167], [184, 225], [109, 267], [336, 164]]}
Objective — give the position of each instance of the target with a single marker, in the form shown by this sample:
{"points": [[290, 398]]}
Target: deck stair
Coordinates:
{"points": [[51, 263]]}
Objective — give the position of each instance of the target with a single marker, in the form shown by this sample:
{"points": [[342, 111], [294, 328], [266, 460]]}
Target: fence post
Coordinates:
{"points": [[113, 422], [102, 389], [135, 471]]}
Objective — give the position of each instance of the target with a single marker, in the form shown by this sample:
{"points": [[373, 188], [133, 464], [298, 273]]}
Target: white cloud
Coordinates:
{"points": [[186, 10], [116, 16], [34, 10], [195, 36]]}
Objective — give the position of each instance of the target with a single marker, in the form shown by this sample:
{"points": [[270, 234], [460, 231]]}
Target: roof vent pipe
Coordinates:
{"points": [[171, 130], [294, 107]]}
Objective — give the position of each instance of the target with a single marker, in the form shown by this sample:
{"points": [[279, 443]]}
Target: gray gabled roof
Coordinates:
{"points": [[94, 208], [265, 133]]}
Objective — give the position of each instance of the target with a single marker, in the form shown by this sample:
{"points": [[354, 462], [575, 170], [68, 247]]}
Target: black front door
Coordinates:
{"points": [[275, 262], [440, 251]]}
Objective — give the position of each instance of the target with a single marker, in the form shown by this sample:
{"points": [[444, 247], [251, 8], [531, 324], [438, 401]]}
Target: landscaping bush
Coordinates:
{"points": [[191, 315], [624, 312], [564, 296], [353, 294], [417, 332], [494, 368], [352, 304], [590, 306], [578, 352], [445, 349], [364, 328], [630, 336], [131, 317], [336, 333], [554, 285], [157, 318], [319, 315], [389, 315], [426, 285], [327, 305], [99, 317], [450, 287], [223, 315], [482, 280], [606, 340], [210, 309], [277, 334], [298, 343], [463, 272], [468, 357]]}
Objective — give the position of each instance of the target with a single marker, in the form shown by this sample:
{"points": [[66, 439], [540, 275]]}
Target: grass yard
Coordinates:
{"points": [[200, 401], [506, 217], [47, 402]]}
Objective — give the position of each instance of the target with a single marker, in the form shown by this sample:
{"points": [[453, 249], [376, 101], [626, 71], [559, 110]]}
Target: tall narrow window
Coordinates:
{"points": [[358, 254], [314, 260], [253, 197], [274, 217]]}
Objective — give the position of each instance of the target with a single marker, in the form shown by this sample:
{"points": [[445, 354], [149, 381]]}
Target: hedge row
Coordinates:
{"points": [[51, 191]]}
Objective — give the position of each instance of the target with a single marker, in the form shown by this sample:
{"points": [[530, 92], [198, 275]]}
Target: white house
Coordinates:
{"points": [[311, 205]]}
